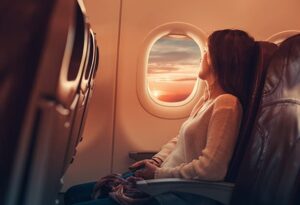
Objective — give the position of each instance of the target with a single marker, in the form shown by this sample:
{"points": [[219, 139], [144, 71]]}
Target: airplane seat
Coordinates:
{"points": [[94, 62], [95, 65], [270, 170], [58, 116], [266, 51], [270, 167], [83, 101], [22, 39], [39, 96]]}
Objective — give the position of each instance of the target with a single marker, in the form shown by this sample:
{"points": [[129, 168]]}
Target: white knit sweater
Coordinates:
{"points": [[205, 143]]}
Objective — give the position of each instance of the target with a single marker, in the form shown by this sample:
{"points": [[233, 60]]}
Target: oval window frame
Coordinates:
{"points": [[167, 110], [277, 38]]}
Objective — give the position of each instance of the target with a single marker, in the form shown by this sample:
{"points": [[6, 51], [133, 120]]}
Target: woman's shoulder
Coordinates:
{"points": [[227, 101]]}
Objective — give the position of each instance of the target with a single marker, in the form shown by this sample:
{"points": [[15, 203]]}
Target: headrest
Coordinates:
{"points": [[283, 78]]}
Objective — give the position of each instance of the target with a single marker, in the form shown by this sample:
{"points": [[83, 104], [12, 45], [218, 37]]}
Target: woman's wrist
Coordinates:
{"points": [[157, 160]]}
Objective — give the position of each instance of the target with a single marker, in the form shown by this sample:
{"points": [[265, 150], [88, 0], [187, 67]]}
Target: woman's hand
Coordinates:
{"points": [[155, 161], [148, 171], [146, 168]]}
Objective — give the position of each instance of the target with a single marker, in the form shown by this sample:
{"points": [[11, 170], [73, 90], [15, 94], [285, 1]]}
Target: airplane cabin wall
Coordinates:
{"points": [[107, 139]]}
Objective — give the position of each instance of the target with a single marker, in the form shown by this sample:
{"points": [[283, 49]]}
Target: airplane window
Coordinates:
{"points": [[172, 69]]}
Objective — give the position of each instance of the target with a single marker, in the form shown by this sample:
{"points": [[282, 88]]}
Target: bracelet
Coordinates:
{"points": [[157, 160]]}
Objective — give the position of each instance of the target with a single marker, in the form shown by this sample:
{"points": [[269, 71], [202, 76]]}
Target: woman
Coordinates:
{"points": [[206, 140]]}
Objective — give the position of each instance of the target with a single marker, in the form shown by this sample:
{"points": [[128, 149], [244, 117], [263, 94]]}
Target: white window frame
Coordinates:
{"points": [[168, 110], [277, 38]]}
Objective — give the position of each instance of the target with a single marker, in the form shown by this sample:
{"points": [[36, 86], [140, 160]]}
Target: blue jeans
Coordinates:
{"points": [[81, 195]]}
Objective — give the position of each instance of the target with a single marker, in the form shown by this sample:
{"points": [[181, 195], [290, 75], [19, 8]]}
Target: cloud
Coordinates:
{"points": [[173, 79], [170, 44], [169, 55], [169, 77], [152, 69], [173, 57], [172, 69], [186, 79]]}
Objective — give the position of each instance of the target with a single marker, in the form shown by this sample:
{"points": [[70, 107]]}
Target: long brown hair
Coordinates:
{"points": [[233, 55]]}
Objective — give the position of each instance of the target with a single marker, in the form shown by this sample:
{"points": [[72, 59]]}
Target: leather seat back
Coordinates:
{"points": [[84, 92], [270, 170], [43, 65], [33, 47], [266, 51]]}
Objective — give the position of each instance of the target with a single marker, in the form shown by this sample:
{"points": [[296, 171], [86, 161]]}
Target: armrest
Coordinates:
{"points": [[218, 191], [137, 156]]}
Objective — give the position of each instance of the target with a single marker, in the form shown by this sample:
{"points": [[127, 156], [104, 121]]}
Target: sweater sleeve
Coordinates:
{"points": [[221, 139], [166, 149]]}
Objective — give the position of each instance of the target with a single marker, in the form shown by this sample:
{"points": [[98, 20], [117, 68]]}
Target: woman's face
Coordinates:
{"points": [[205, 67]]}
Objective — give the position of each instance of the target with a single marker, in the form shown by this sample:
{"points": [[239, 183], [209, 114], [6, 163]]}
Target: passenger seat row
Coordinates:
{"points": [[47, 79]]}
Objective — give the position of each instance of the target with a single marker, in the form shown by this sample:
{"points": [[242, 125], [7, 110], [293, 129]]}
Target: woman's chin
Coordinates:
{"points": [[201, 77]]}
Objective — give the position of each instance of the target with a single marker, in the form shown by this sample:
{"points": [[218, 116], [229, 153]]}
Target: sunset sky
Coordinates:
{"points": [[173, 67]]}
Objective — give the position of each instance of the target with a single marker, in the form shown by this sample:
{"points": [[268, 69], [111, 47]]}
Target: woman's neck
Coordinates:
{"points": [[213, 90]]}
